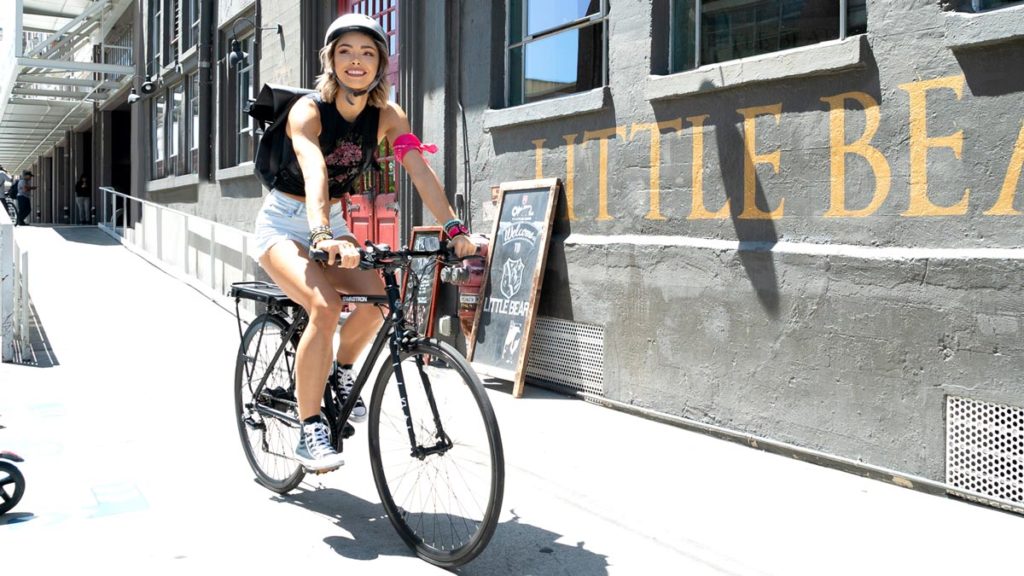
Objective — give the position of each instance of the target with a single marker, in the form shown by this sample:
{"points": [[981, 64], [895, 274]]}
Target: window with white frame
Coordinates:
{"points": [[985, 5], [555, 48], [713, 31]]}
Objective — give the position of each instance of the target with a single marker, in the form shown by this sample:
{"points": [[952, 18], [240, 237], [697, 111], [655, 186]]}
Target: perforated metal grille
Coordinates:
{"points": [[567, 354], [985, 450]]}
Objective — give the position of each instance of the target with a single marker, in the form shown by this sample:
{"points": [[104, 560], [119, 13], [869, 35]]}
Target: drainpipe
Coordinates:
{"points": [[206, 100]]}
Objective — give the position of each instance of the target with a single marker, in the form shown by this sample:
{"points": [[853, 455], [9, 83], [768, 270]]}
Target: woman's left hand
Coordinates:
{"points": [[463, 246]]}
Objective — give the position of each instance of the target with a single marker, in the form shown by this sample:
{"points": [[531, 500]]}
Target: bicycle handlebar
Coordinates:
{"points": [[378, 256]]}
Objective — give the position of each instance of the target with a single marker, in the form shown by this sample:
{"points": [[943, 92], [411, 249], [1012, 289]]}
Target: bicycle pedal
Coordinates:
{"points": [[347, 431], [252, 423]]}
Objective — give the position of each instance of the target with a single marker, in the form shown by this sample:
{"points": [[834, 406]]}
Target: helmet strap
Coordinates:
{"points": [[349, 92]]}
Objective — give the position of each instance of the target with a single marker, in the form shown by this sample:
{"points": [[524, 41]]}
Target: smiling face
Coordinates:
{"points": [[356, 60]]}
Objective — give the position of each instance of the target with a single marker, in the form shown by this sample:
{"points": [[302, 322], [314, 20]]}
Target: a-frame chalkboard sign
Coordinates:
{"points": [[420, 282], [511, 286]]}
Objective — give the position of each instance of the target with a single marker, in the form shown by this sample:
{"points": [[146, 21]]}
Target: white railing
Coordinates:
{"points": [[14, 299], [207, 255]]}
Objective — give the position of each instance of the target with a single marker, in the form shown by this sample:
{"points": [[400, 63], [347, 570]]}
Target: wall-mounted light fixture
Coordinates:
{"points": [[236, 56]]}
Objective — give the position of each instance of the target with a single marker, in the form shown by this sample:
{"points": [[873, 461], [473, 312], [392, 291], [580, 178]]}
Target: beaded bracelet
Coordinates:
{"points": [[318, 234], [455, 227]]}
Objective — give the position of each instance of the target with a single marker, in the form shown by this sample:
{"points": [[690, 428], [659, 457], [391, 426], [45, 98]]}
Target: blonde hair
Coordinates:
{"points": [[328, 86]]}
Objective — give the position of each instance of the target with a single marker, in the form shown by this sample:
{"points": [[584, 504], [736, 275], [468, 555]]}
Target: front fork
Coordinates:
{"points": [[443, 442]]}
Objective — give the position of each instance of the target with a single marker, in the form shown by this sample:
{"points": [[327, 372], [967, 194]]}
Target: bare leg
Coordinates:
{"points": [[316, 288], [361, 326], [306, 283]]}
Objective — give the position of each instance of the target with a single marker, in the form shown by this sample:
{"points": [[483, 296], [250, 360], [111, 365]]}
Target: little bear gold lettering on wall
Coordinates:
{"points": [[839, 150], [847, 152], [920, 143], [1004, 204]]}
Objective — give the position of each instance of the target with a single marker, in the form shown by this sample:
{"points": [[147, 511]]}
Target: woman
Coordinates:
{"points": [[333, 134], [83, 200]]}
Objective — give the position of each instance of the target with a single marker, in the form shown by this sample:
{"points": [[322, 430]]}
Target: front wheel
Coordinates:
{"points": [[12, 486], [441, 478]]}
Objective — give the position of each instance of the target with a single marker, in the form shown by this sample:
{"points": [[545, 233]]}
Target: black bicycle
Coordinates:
{"points": [[435, 448]]}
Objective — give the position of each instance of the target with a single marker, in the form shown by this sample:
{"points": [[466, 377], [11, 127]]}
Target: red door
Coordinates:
{"points": [[372, 210]]}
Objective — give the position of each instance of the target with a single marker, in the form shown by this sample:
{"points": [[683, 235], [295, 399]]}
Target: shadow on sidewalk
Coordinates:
{"points": [[86, 235], [516, 548], [39, 352]]}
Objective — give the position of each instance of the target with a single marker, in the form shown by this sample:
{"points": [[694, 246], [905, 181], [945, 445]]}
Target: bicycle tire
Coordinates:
{"points": [[424, 498], [9, 474], [268, 442]]}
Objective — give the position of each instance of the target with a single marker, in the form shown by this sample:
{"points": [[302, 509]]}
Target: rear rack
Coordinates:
{"points": [[261, 292]]}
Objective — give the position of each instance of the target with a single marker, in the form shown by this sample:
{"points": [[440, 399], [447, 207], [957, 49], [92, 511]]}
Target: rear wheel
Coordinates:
{"points": [[443, 496], [12, 486], [269, 442]]}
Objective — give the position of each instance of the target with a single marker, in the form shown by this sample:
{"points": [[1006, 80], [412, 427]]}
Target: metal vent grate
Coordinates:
{"points": [[567, 354], [985, 451]]}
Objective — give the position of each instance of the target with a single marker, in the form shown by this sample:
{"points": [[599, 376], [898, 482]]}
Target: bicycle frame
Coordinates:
{"points": [[394, 334]]}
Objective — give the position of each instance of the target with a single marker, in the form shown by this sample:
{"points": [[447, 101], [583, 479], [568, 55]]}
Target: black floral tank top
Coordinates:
{"points": [[349, 150]]}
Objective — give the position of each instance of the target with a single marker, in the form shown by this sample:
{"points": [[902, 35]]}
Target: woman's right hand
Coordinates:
{"points": [[340, 252]]}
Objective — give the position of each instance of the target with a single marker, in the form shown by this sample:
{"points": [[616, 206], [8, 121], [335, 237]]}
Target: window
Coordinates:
{"points": [[244, 150], [555, 47], [236, 134], [983, 5], [193, 20], [159, 132], [192, 121], [174, 19], [173, 29], [713, 31], [156, 37], [177, 110], [384, 12]]}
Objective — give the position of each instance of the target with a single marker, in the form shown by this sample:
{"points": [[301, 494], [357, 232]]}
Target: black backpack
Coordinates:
{"points": [[270, 110]]}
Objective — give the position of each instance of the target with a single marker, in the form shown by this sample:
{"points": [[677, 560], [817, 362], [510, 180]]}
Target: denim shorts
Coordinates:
{"points": [[284, 218]]}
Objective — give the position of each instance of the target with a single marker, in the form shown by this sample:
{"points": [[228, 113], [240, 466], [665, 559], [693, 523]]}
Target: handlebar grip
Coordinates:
{"points": [[365, 263], [318, 255]]}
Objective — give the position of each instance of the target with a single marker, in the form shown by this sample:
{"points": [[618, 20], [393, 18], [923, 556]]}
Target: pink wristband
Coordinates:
{"points": [[409, 141]]}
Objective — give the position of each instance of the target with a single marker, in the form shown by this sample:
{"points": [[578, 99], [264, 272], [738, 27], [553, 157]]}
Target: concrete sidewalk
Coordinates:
{"points": [[134, 467]]}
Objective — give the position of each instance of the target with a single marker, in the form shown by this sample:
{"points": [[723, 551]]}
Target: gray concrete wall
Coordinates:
{"points": [[234, 195], [742, 280]]}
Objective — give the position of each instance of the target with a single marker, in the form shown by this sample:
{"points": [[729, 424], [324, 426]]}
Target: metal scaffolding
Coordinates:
{"points": [[62, 57]]}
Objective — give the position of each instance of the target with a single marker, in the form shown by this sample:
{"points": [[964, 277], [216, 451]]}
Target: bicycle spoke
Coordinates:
{"points": [[267, 440], [445, 502]]}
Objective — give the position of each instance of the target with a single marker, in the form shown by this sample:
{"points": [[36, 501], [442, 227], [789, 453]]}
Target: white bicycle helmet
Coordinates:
{"points": [[355, 23], [358, 23]]}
